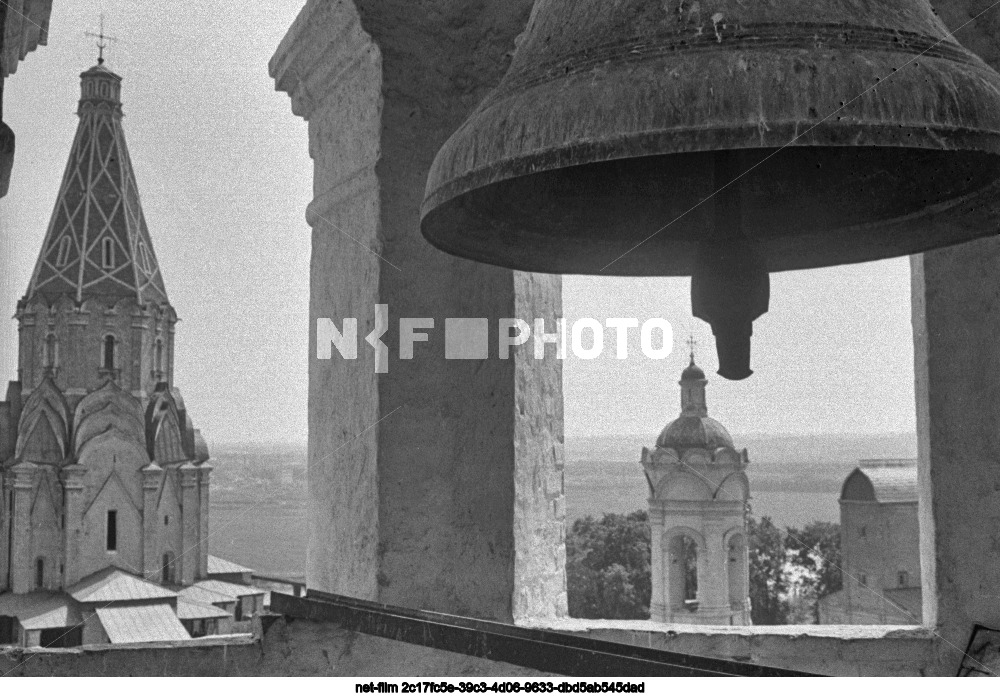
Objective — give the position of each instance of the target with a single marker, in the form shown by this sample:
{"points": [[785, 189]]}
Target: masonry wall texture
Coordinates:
{"points": [[416, 474], [298, 649]]}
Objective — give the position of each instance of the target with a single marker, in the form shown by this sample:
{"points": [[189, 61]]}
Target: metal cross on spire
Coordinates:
{"points": [[691, 344], [101, 39]]}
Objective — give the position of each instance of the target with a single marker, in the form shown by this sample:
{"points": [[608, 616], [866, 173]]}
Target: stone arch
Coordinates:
{"points": [[735, 487], [168, 445], [42, 441], [96, 401], [727, 456], [112, 414], [682, 485], [684, 574]]}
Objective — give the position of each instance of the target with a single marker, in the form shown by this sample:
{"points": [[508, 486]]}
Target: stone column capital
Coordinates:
{"points": [[72, 477], [24, 475]]}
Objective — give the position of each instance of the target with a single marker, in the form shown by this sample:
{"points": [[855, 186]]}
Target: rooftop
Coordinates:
{"points": [[111, 585], [134, 624], [882, 481]]}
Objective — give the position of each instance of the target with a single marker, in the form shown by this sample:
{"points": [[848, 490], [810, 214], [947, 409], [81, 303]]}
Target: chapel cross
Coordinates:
{"points": [[101, 39], [691, 344]]}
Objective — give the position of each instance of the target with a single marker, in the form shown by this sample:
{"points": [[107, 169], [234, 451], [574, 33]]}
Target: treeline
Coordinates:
{"points": [[609, 577]]}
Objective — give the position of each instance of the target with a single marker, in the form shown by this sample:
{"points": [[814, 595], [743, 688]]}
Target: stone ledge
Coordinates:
{"points": [[858, 631], [826, 649]]}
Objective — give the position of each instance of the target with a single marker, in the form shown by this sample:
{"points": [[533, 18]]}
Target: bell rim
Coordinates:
{"points": [[952, 216], [779, 136]]}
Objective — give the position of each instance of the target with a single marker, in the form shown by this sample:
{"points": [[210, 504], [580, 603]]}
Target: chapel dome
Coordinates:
{"points": [[693, 372], [694, 432]]}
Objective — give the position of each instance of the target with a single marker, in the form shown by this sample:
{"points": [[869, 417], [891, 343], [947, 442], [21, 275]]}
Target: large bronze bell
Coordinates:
{"points": [[722, 139]]}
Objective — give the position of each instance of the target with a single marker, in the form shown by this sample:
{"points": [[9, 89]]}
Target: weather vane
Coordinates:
{"points": [[101, 39], [691, 344]]}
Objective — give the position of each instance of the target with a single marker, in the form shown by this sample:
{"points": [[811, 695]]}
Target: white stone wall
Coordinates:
{"points": [[437, 484]]}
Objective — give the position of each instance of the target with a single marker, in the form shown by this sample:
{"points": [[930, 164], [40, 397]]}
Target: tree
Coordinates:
{"points": [[816, 551], [608, 567], [767, 572]]}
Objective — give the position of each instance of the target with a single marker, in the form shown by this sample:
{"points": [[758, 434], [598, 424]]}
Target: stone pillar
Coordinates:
{"points": [[79, 355], [659, 607], [73, 486], [139, 365], [205, 472], [437, 484], [190, 524], [152, 478], [6, 487], [27, 360], [713, 595], [22, 564], [956, 327]]}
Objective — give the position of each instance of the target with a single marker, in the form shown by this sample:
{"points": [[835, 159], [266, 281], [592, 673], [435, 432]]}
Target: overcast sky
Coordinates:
{"points": [[225, 176]]}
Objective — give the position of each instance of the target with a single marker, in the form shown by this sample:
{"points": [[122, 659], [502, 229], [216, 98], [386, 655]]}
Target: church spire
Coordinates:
{"points": [[97, 244], [692, 384]]}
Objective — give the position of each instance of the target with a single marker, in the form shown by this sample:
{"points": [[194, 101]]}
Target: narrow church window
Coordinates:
{"points": [[904, 579], [39, 573], [158, 356], [51, 351], [64, 248], [863, 579], [112, 536], [863, 532], [166, 520], [167, 570], [108, 253], [109, 352], [238, 612]]}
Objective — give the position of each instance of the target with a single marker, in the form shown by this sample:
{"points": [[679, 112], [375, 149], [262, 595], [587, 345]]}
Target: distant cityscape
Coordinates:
{"points": [[259, 491]]}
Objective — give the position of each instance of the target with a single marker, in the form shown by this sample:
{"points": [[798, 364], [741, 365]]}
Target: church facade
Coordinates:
{"points": [[104, 476], [698, 493]]}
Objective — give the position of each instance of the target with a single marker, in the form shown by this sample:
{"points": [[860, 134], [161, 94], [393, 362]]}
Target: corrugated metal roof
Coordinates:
{"points": [[196, 594], [41, 610], [111, 584], [190, 610], [232, 590], [224, 566], [135, 624], [891, 481]]}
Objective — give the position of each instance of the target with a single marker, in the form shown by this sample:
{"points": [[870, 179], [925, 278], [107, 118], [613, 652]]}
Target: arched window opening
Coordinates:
{"points": [[39, 573], [65, 245], [904, 579], [108, 253], [683, 580], [109, 352]]}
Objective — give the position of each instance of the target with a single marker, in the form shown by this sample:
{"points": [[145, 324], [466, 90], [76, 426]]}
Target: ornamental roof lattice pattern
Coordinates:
{"points": [[97, 243]]}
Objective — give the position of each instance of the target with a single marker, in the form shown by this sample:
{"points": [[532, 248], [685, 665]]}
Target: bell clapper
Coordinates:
{"points": [[730, 286]]}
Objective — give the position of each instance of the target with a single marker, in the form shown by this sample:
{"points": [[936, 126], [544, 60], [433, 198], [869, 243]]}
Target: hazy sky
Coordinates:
{"points": [[225, 177]]}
